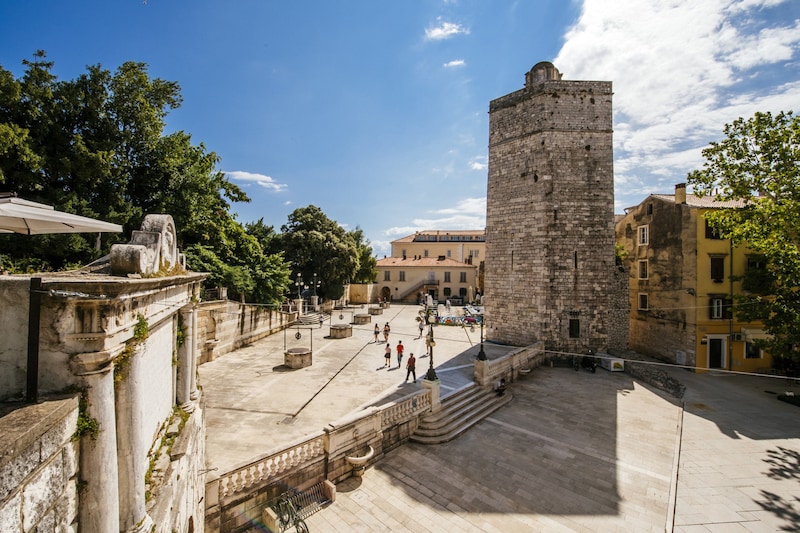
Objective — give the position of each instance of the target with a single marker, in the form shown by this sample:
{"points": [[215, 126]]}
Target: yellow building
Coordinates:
{"points": [[405, 279], [682, 281], [465, 246]]}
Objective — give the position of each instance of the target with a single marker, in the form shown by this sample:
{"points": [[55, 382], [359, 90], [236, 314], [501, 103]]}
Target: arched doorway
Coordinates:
{"points": [[386, 294]]}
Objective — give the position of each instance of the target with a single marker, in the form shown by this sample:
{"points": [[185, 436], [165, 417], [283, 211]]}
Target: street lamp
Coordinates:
{"points": [[299, 284], [315, 285], [431, 375], [481, 353]]}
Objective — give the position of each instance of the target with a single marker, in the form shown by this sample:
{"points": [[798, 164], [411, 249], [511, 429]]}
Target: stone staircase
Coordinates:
{"points": [[311, 319], [459, 412]]}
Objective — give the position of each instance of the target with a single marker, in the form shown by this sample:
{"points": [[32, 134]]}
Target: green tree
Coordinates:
{"points": [[315, 244], [367, 264], [96, 146], [758, 162]]}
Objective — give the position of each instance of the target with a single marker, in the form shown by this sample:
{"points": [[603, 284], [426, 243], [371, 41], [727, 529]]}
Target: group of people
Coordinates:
{"points": [[411, 368], [386, 331]]}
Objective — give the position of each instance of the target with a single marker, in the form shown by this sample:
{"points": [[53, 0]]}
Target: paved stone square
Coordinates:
{"points": [[573, 451]]}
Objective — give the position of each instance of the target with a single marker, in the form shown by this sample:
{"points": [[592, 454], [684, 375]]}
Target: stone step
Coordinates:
{"points": [[459, 412], [311, 319], [454, 404]]}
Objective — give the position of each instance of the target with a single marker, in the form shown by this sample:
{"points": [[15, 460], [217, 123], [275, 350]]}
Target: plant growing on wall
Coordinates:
{"points": [[87, 426], [140, 331]]}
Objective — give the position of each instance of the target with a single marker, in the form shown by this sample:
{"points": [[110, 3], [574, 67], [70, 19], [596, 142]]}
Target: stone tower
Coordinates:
{"points": [[550, 214]]}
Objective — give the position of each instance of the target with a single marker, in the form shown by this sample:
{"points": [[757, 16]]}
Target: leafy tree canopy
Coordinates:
{"points": [[96, 146], [367, 264], [759, 162], [315, 244]]}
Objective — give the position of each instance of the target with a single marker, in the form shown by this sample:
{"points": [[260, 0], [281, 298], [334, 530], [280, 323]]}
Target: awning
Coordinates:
{"points": [[31, 218]]}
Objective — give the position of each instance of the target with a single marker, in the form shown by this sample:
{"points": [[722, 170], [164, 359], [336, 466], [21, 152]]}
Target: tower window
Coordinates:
{"points": [[574, 328]]}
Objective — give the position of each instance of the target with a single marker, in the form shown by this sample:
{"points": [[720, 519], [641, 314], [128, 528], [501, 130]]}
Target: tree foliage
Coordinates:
{"points": [[315, 244], [367, 264], [96, 146], [759, 162]]}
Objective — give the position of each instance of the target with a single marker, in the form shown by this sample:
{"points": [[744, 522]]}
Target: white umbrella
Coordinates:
{"points": [[31, 218]]}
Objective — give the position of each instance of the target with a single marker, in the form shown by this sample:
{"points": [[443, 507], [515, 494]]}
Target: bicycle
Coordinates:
{"points": [[287, 515]]}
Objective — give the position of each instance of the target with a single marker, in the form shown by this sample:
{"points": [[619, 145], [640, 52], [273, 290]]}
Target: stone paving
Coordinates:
{"points": [[573, 451]]}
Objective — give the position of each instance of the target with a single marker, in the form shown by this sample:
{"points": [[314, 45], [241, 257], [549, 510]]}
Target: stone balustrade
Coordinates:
{"points": [[237, 496], [510, 365], [264, 469], [406, 408]]}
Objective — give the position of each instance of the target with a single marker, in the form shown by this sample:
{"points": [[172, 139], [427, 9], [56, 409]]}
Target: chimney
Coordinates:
{"points": [[680, 194]]}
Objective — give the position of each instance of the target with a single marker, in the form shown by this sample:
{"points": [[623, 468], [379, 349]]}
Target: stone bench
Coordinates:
{"points": [[297, 357], [341, 331]]}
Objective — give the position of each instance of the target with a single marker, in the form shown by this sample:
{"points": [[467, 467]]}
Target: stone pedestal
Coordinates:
{"points": [[436, 393], [297, 357], [375, 311], [362, 319], [341, 331]]}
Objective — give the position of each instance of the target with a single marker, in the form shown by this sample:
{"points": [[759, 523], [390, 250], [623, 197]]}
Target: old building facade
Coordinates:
{"points": [[682, 281], [404, 279], [466, 246], [550, 265]]}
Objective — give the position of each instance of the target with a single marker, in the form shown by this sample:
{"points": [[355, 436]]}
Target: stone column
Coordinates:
{"points": [[98, 510], [132, 464], [187, 376]]}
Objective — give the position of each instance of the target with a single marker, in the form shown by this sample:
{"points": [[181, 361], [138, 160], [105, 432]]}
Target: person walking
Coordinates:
{"points": [[377, 332], [400, 349], [386, 330], [421, 327], [387, 355], [411, 367]]}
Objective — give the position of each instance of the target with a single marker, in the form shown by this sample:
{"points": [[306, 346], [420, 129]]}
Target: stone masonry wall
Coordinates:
{"points": [[225, 325], [550, 219], [39, 467]]}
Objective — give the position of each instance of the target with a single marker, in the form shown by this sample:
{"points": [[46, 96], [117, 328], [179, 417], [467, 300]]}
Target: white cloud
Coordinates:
{"points": [[467, 214], [478, 163], [455, 63], [445, 30], [681, 70], [265, 181]]}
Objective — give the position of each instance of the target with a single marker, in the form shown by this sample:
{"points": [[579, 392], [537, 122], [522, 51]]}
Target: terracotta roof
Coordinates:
{"points": [[703, 201], [426, 262]]}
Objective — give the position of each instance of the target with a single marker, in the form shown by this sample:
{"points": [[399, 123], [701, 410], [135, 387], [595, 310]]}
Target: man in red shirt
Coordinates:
{"points": [[411, 366], [400, 349]]}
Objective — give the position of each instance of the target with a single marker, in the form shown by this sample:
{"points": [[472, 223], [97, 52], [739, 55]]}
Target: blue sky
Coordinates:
{"points": [[377, 111]]}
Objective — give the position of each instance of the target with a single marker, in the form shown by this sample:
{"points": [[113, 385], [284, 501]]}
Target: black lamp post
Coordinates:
{"points": [[431, 375], [315, 285], [299, 285], [481, 353]]}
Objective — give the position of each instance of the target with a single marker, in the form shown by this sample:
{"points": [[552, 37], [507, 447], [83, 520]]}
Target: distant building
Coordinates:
{"points": [[406, 279], [550, 272], [681, 284], [466, 246]]}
